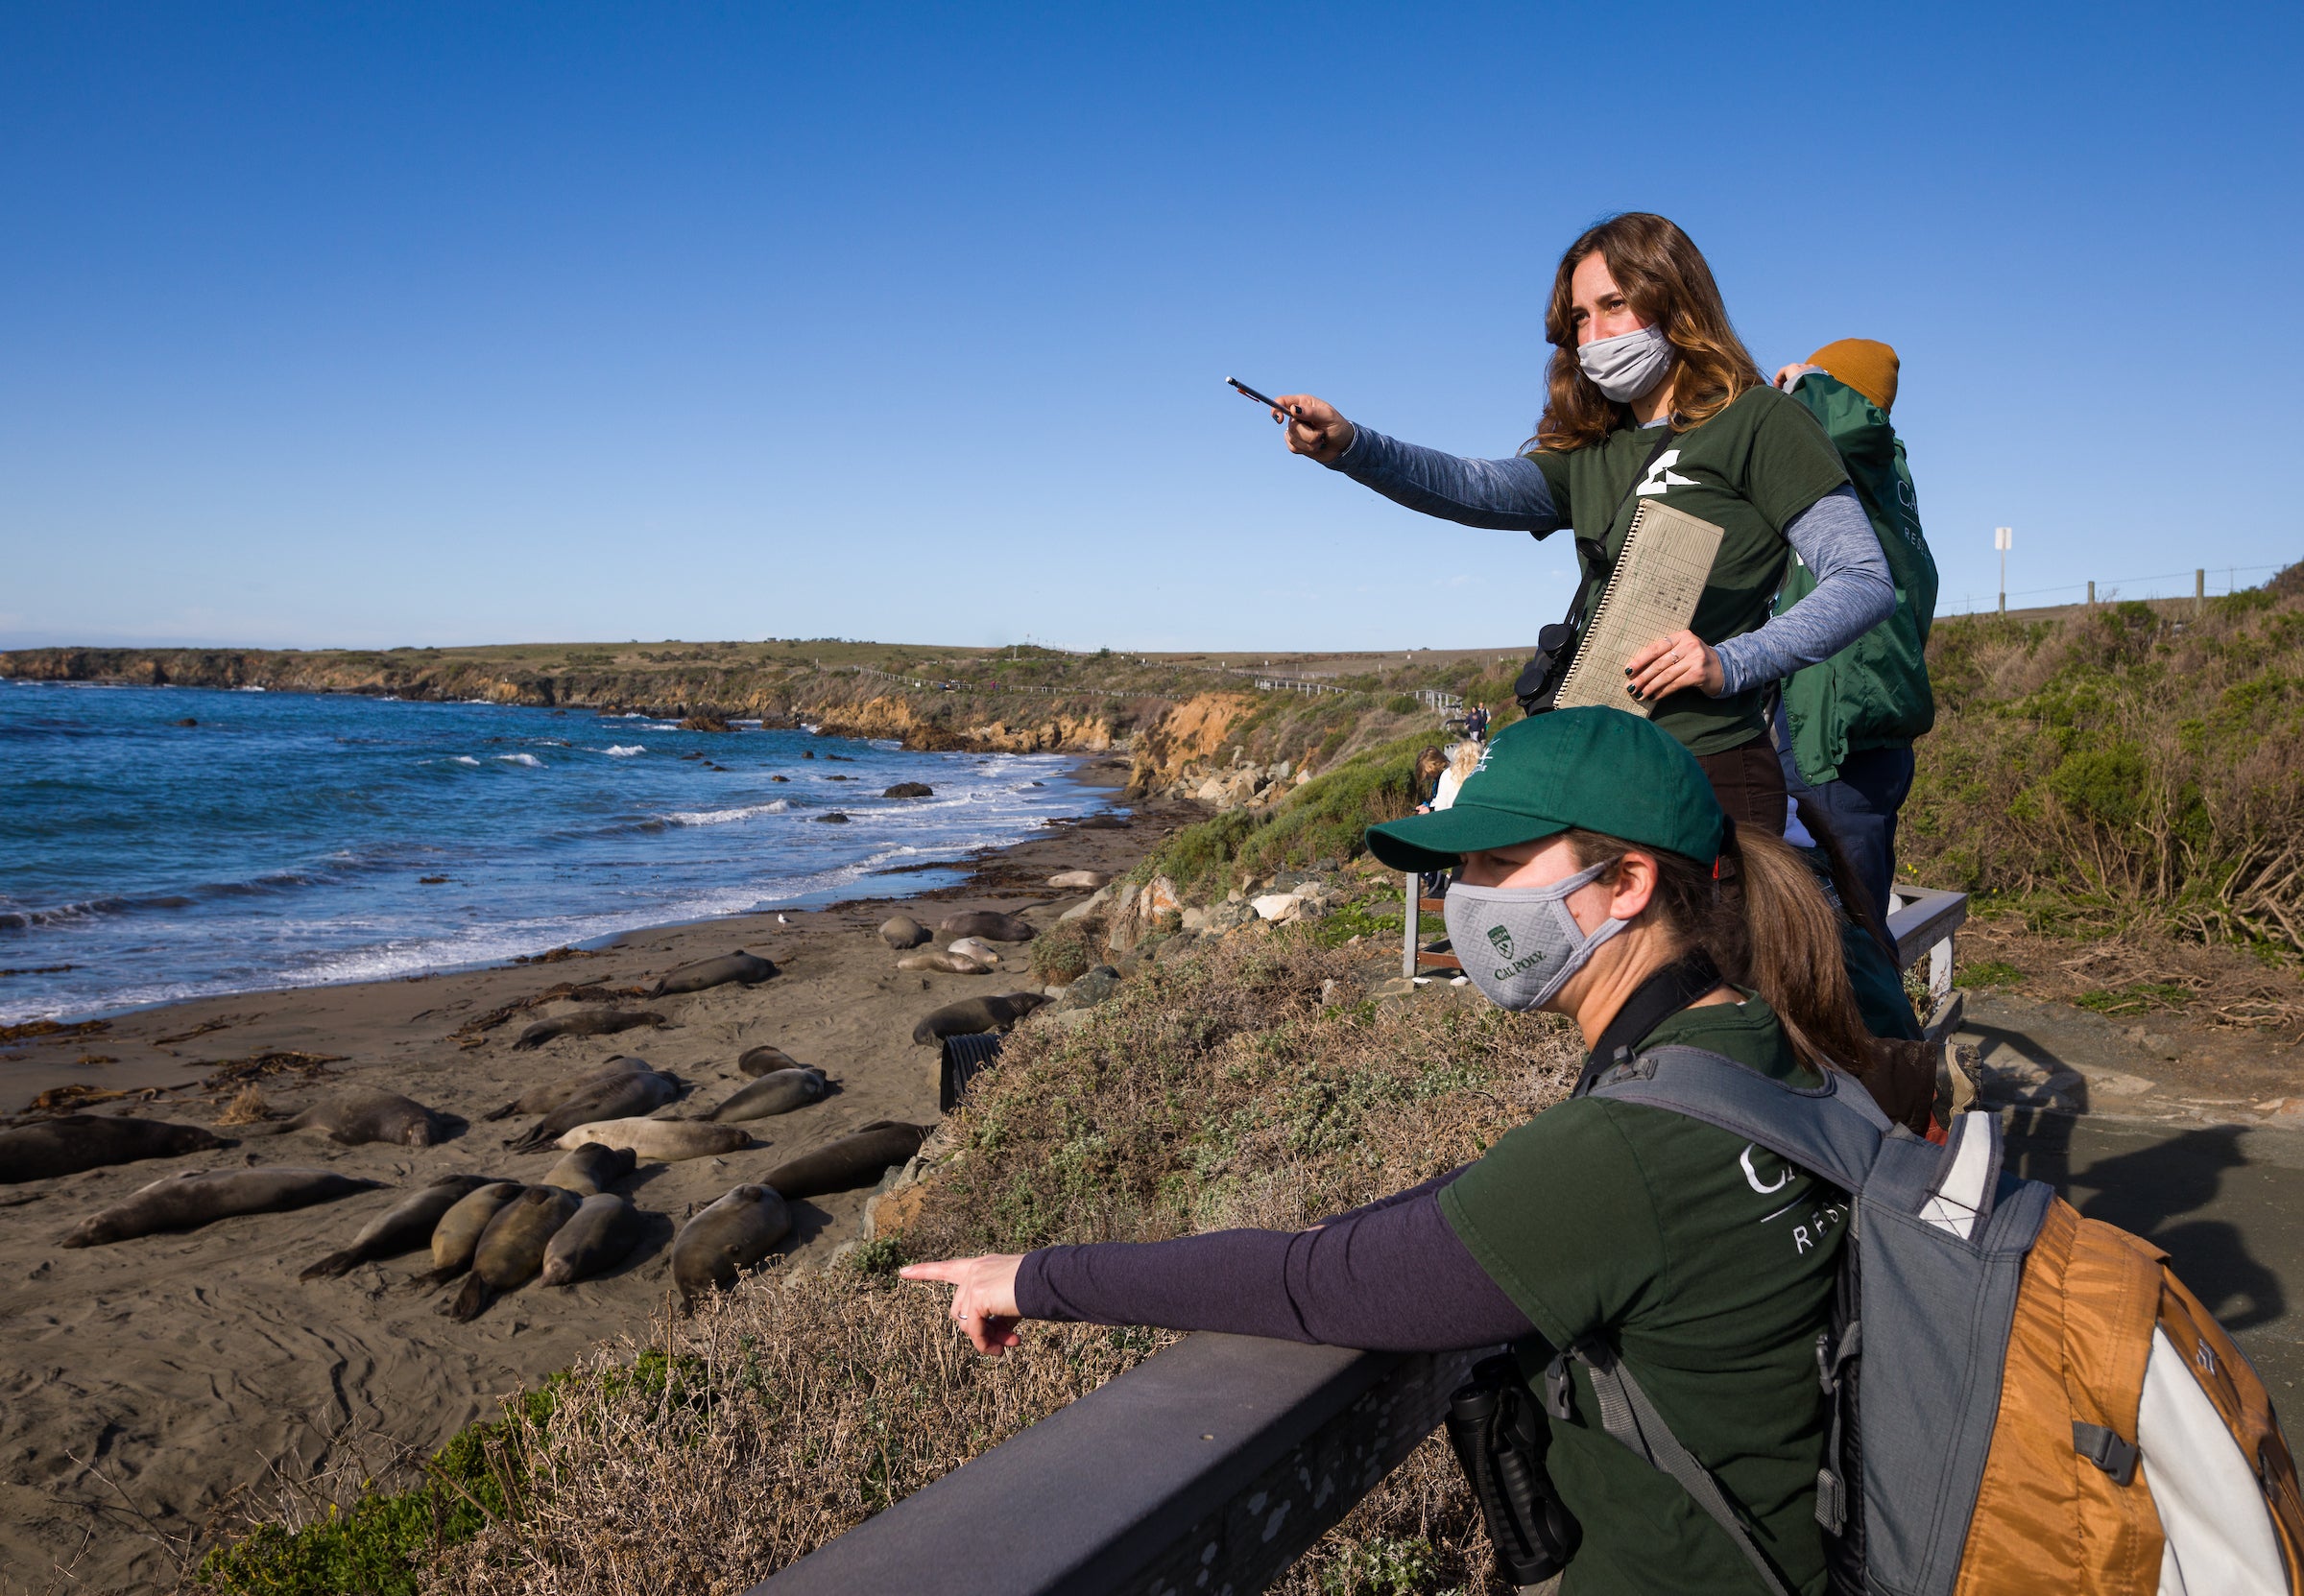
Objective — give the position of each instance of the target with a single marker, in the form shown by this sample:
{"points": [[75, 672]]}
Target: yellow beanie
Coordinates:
{"points": [[1863, 365]]}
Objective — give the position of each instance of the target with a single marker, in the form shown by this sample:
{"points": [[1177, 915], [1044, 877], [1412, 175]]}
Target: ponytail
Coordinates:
{"points": [[1767, 925]]}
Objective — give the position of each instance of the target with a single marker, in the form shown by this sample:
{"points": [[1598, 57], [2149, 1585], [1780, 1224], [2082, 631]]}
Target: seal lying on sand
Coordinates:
{"points": [[585, 1022], [739, 966], [726, 1238], [976, 948], [778, 1092], [984, 924], [197, 1197], [512, 1249], [1091, 880], [856, 1159], [595, 1239], [461, 1228], [543, 1099], [403, 1227], [973, 1015], [765, 1061], [74, 1142], [665, 1141], [902, 931], [945, 959], [613, 1097], [589, 1168], [361, 1114]]}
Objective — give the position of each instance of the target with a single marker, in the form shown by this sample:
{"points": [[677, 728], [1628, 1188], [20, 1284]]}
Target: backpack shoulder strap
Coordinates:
{"points": [[1835, 1130]]}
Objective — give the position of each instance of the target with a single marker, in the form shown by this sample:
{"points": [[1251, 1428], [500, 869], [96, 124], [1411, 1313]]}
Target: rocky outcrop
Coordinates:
{"points": [[1190, 733], [703, 697]]}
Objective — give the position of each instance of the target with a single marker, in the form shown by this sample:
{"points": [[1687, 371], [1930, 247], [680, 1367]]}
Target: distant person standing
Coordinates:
{"points": [[1846, 724], [1475, 723]]}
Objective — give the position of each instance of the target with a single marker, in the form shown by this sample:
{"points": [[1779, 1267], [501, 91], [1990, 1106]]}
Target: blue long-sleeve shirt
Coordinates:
{"points": [[1832, 538]]}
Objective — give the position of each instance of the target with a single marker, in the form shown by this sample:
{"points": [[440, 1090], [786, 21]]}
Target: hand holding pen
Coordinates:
{"points": [[1315, 428]]}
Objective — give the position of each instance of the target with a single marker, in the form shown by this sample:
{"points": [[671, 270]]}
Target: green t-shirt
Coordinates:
{"points": [[1750, 470], [1709, 1264]]}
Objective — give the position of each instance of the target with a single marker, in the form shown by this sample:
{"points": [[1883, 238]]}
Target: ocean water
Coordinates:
{"points": [[284, 841]]}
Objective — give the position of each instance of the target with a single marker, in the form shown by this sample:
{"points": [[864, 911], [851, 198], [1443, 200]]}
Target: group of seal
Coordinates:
{"points": [[610, 1093]]}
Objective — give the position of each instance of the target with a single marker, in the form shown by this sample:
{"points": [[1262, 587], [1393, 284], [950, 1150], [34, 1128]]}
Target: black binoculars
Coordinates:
{"points": [[1501, 1437]]}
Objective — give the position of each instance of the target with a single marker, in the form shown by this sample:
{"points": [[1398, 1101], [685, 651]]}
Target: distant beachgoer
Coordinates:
{"points": [[1847, 724], [1475, 723], [1651, 395], [1426, 781]]}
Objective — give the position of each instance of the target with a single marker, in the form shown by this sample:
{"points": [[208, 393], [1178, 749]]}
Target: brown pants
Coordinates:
{"points": [[1749, 782]]}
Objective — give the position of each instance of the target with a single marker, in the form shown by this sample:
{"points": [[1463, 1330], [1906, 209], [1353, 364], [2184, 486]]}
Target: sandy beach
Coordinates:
{"points": [[150, 1389]]}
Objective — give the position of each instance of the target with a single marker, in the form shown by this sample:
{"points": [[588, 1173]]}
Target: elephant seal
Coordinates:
{"points": [[459, 1229], [779, 1092], [945, 959], [596, 1238], [512, 1249], [973, 1015], [589, 1167], [665, 1141], [910, 789], [360, 1114], [194, 1197], [726, 1238], [585, 1022], [902, 931], [1082, 881], [765, 1061], [615, 1096], [992, 927], [976, 948], [543, 1099], [856, 1159], [404, 1227], [739, 966], [74, 1142]]}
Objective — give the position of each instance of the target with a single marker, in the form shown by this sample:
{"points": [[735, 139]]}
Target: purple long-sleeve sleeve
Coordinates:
{"points": [[1391, 1277]]}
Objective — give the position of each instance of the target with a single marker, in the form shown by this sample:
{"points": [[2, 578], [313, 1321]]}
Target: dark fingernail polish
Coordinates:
{"points": [[1629, 688], [1628, 670]]}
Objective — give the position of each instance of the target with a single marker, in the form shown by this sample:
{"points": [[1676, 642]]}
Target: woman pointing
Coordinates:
{"points": [[1651, 395]]}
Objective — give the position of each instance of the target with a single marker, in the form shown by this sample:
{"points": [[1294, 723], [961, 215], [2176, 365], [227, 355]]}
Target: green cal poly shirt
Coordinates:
{"points": [[1750, 470], [1709, 1264], [1874, 693]]}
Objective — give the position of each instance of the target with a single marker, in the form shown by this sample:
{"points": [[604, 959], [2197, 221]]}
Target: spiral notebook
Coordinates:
{"points": [[1659, 576]]}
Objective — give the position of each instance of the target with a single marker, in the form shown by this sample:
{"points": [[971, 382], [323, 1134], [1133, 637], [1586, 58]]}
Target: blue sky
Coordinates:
{"points": [[328, 323]]}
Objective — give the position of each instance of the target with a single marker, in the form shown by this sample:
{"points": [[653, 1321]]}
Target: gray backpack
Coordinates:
{"points": [[2048, 1408]]}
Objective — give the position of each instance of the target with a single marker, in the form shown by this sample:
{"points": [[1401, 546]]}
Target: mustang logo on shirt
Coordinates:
{"points": [[1661, 476]]}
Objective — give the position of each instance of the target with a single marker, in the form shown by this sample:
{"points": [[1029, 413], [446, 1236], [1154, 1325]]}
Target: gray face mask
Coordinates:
{"points": [[1520, 945], [1628, 365]]}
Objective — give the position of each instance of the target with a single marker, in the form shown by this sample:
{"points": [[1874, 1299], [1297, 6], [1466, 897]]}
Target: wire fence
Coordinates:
{"points": [[2198, 582]]}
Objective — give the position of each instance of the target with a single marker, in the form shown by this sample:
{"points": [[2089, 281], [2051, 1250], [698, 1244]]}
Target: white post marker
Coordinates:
{"points": [[2002, 539]]}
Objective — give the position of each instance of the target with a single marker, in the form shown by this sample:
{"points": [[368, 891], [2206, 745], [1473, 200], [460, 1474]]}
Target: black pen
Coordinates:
{"points": [[1250, 393]]}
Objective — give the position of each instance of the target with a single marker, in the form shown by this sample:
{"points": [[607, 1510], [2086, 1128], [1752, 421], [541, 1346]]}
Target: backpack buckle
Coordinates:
{"points": [[2105, 1448]]}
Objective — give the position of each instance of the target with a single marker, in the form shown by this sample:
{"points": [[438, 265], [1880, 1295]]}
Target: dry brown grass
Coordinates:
{"points": [[1215, 1091], [246, 1107]]}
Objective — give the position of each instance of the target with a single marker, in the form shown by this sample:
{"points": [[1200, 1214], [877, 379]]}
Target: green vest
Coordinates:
{"points": [[1750, 470], [1874, 693]]}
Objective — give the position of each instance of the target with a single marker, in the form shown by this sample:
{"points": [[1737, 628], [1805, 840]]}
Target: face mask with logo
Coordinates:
{"points": [[1626, 366], [1520, 945]]}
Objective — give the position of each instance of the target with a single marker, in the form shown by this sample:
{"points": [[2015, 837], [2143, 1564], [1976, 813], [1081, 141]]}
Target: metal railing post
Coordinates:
{"points": [[1411, 915]]}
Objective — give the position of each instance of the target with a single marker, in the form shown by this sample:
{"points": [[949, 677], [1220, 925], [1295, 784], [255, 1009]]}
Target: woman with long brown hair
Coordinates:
{"points": [[1651, 395], [1600, 880]]}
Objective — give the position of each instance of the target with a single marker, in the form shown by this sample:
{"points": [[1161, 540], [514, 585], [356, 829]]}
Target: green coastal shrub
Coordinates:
{"points": [[1318, 824], [2131, 765]]}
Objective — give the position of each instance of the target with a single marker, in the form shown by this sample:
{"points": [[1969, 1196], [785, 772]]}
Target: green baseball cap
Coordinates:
{"points": [[1593, 769]]}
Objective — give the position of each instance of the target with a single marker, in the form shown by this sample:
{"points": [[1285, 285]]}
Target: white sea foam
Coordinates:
{"points": [[528, 759], [623, 750], [247, 689], [886, 745], [467, 759], [721, 817]]}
